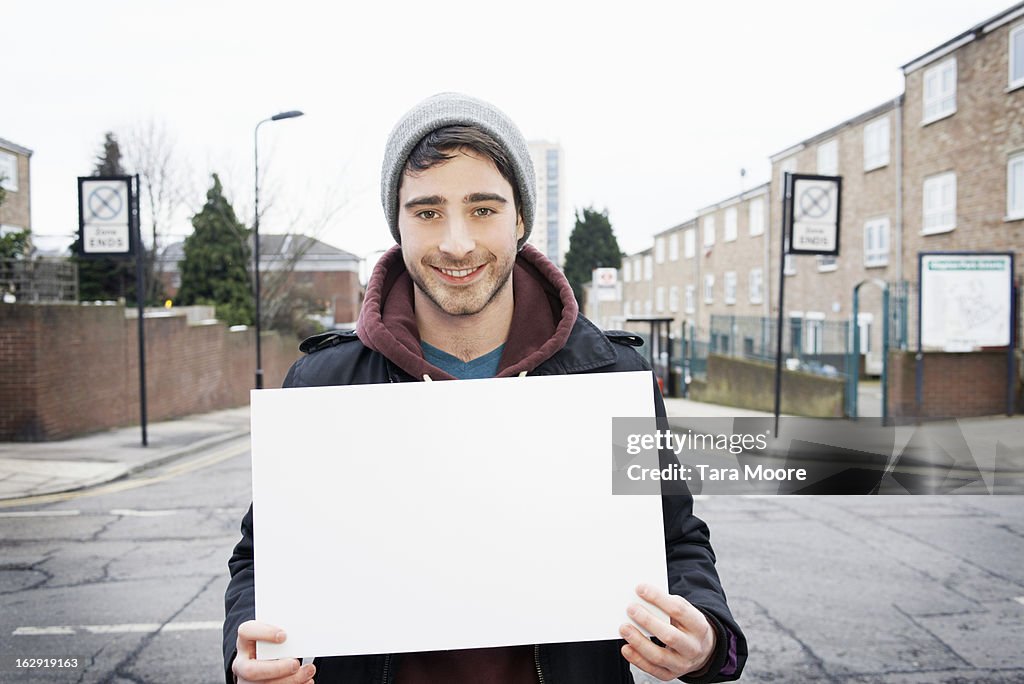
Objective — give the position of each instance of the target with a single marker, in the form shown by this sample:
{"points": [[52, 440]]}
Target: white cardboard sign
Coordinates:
{"points": [[447, 515]]}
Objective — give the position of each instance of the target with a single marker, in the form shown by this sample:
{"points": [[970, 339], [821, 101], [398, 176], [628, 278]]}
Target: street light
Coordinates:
{"points": [[256, 230]]}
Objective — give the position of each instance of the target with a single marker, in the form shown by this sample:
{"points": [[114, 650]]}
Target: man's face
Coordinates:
{"points": [[459, 231]]}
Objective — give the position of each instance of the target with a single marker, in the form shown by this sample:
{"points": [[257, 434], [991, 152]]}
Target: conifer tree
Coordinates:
{"points": [[215, 269], [592, 244]]}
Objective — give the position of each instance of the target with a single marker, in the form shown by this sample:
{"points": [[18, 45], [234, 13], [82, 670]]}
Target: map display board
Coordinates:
{"points": [[965, 300]]}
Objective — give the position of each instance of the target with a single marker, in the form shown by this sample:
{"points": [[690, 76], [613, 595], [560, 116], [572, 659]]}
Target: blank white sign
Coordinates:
{"points": [[447, 515]]}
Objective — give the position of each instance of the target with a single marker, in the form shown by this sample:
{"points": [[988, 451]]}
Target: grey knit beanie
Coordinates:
{"points": [[455, 109]]}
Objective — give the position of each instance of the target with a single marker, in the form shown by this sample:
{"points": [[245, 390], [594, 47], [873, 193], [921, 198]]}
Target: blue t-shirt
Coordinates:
{"points": [[485, 366]]}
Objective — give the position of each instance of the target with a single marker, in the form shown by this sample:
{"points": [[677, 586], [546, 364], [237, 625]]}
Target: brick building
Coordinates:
{"points": [[15, 212], [332, 274]]}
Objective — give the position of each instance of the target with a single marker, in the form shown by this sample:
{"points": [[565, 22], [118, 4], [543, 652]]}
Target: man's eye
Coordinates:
{"points": [[483, 211], [427, 214]]}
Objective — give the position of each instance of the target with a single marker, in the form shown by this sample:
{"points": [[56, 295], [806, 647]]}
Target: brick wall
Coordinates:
{"points": [[71, 369], [975, 143], [954, 385]]}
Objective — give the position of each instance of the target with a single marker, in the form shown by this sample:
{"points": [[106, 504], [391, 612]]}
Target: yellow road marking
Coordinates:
{"points": [[215, 457]]}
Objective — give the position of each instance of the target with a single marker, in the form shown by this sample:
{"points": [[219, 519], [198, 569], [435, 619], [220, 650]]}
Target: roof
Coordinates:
{"points": [[14, 147], [886, 106], [956, 42], [273, 247], [755, 191], [688, 223]]}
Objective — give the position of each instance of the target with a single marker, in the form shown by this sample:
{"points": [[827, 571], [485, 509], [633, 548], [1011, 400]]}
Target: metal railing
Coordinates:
{"points": [[38, 280]]}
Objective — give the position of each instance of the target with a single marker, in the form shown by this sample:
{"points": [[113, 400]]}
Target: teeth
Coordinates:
{"points": [[457, 274]]}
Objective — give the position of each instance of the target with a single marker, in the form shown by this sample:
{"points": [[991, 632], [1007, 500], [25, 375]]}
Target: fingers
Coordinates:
{"points": [[247, 669], [661, 662], [682, 612], [261, 631], [633, 656], [677, 640]]}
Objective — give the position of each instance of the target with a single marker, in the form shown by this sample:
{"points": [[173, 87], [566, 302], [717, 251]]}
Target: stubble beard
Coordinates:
{"points": [[457, 301]]}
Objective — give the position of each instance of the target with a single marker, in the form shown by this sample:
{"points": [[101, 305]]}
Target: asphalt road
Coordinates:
{"points": [[129, 579]]}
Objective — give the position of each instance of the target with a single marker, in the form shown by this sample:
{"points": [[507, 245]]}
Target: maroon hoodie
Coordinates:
{"points": [[545, 311], [544, 314]]}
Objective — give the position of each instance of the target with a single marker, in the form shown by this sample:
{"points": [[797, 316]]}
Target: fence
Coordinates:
{"points": [[33, 281]]}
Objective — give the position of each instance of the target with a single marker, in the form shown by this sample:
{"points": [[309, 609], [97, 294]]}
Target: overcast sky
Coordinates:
{"points": [[658, 105]]}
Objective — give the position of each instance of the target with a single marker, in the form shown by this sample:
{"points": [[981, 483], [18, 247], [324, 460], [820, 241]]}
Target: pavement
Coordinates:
{"points": [[29, 469]]}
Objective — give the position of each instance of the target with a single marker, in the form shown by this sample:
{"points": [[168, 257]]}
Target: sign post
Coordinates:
{"points": [[108, 226], [810, 225]]}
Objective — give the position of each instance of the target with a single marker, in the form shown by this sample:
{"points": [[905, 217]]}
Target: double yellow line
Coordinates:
{"points": [[235, 448]]}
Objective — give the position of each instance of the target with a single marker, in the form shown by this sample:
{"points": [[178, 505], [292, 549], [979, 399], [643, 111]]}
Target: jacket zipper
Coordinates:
{"points": [[536, 662], [386, 678]]}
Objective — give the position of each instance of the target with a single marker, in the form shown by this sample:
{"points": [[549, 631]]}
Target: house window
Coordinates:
{"points": [[814, 330], [876, 144], [826, 263], [730, 224], [659, 298], [730, 287], [756, 211], [626, 309], [648, 267], [690, 299], [940, 91], [673, 299], [690, 243], [709, 288], [876, 242], [940, 203], [659, 250], [709, 231], [8, 171], [626, 271], [1017, 57], [673, 247], [1015, 187], [828, 158], [647, 307], [755, 285]]}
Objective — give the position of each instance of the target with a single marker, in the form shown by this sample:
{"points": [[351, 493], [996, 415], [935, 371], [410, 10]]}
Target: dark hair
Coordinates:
{"points": [[439, 146]]}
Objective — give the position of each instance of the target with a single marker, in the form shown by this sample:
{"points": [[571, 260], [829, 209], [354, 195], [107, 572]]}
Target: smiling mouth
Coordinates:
{"points": [[458, 275]]}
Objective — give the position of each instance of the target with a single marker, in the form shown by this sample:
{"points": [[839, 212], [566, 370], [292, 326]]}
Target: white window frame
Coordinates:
{"points": [[626, 309], [756, 217], [673, 247], [1014, 33], [691, 298], [943, 216], [659, 250], [814, 332], [731, 224], [626, 271], [876, 242], [828, 158], [827, 263], [755, 286], [709, 288], [690, 243], [709, 230], [659, 298], [876, 144], [648, 267], [942, 103], [647, 307], [673, 299], [1015, 186], [9, 171], [729, 283]]}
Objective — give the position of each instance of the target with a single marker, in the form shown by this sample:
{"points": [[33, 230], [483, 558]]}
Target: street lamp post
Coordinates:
{"points": [[256, 231]]}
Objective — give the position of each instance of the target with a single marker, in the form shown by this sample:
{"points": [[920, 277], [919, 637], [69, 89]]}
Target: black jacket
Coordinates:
{"points": [[339, 358]]}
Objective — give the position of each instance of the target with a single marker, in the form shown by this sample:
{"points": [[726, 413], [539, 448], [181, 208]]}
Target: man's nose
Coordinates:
{"points": [[457, 241]]}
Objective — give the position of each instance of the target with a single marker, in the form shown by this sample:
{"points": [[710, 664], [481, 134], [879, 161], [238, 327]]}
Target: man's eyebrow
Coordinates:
{"points": [[426, 200], [484, 197]]}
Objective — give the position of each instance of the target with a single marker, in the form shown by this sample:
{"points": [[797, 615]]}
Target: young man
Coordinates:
{"points": [[463, 296]]}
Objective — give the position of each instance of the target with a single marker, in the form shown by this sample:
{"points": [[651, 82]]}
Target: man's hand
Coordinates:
{"points": [[689, 640], [247, 669]]}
